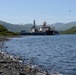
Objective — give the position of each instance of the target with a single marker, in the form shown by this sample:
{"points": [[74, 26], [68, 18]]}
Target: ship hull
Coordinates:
{"points": [[39, 33]]}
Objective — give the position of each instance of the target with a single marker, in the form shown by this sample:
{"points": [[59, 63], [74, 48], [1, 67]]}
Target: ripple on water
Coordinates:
{"points": [[51, 52]]}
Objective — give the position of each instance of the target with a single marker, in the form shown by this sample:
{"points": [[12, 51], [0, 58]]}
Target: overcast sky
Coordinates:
{"points": [[25, 11]]}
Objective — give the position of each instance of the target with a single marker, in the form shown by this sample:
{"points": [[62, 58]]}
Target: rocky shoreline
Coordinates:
{"points": [[10, 65]]}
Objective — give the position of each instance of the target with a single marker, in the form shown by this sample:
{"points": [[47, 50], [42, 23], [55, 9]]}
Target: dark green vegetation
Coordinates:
{"points": [[70, 31], [5, 32]]}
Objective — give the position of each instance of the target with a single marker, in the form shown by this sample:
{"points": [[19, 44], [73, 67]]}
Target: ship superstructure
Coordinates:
{"points": [[43, 30]]}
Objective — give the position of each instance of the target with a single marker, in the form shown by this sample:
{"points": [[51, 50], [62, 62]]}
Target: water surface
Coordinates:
{"points": [[56, 52]]}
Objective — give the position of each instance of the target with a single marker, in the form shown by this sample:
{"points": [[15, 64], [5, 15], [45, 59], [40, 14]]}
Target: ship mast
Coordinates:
{"points": [[34, 24]]}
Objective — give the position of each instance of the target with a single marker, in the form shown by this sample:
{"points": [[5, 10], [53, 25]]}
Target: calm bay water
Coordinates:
{"points": [[56, 52]]}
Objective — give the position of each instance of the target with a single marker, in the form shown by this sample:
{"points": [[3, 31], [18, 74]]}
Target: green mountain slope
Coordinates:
{"points": [[4, 32], [17, 27], [70, 31], [27, 27]]}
